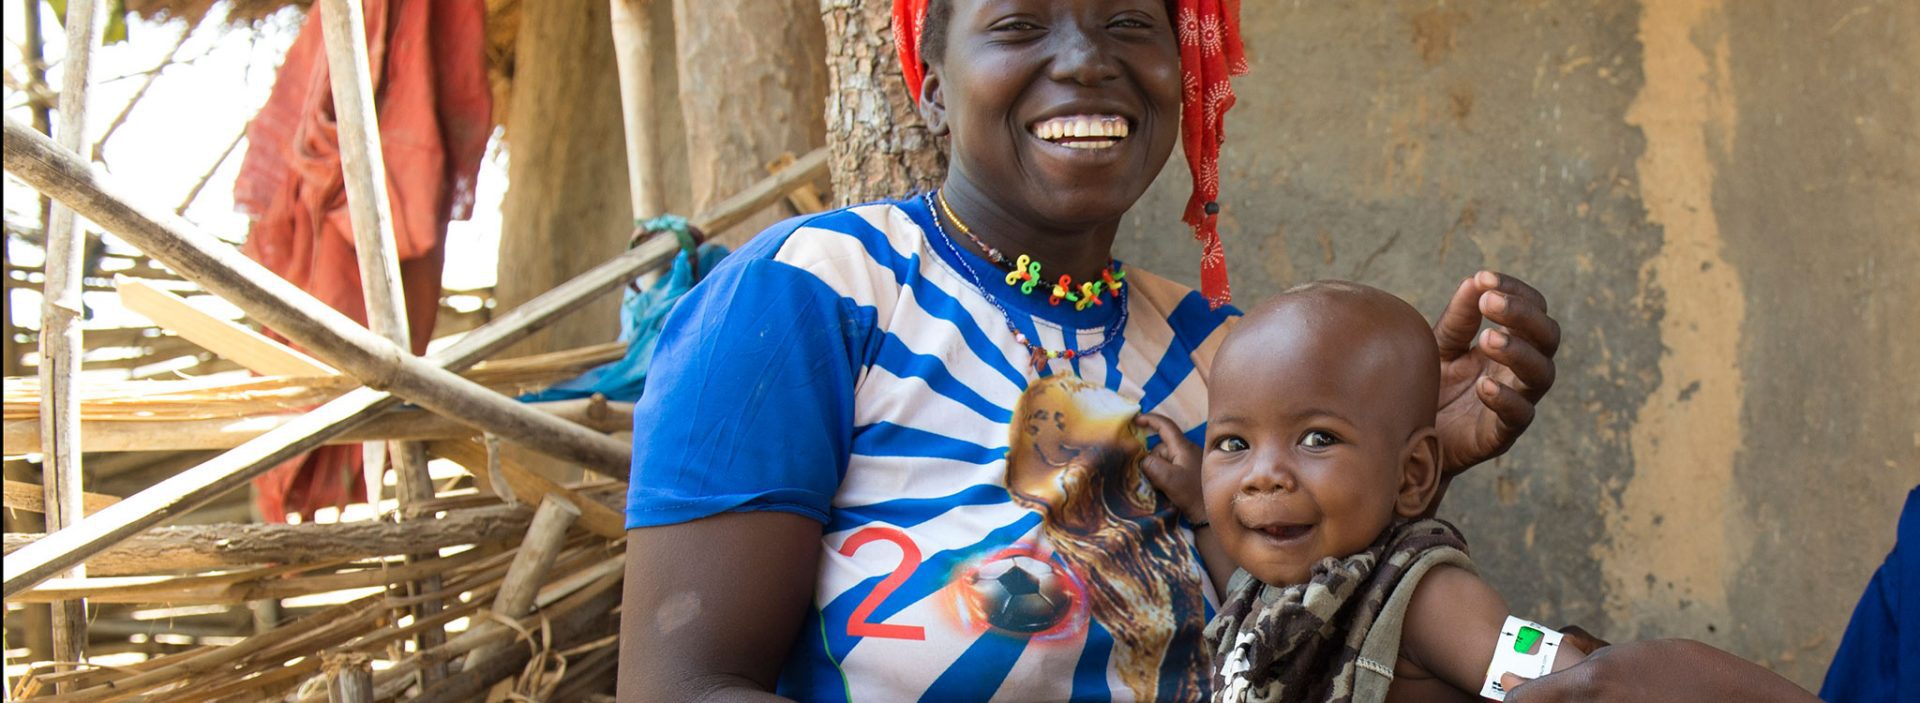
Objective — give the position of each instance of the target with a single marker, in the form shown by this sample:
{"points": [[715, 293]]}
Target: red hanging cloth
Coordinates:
{"points": [[428, 61]]}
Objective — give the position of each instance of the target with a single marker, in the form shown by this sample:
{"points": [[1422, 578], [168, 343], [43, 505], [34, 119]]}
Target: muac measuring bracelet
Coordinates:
{"points": [[1525, 649]]}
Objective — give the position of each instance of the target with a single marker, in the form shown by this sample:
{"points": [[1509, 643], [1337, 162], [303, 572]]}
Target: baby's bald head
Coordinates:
{"points": [[1336, 328]]}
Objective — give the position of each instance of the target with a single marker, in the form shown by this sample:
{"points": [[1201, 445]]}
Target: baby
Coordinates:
{"points": [[1319, 468]]}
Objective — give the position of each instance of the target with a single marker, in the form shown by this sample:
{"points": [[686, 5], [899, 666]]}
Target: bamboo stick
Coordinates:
{"points": [[240, 587], [363, 163], [29, 153], [805, 170], [364, 166], [31, 497], [560, 596], [60, 332], [633, 56], [529, 487], [196, 486], [349, 678], [194, 192], [295, 314], [204, 547], [310, 635], [22, 436], [189, 489], [577, 619], [226, 338], [530, 568], [99, 149]]}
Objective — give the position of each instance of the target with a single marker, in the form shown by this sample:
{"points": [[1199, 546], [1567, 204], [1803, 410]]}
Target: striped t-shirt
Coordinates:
{"points": [[988, 534]]}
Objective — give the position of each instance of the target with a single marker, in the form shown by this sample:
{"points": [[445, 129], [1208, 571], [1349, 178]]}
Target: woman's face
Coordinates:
{"points": [[1059, 110]]}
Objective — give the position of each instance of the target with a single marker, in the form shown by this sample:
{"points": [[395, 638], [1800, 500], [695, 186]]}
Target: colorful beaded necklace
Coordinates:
{"points": [[1037, 355], [1024, 272]]}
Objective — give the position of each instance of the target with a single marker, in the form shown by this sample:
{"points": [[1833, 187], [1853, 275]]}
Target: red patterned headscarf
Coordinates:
{"points": [[1210, 55]]}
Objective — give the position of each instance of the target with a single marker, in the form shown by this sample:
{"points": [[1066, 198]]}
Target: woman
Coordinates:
{"points": [[887, 451]]}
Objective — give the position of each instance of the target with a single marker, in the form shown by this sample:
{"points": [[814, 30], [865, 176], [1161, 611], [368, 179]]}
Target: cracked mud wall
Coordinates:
{"points": [[1722, 201]]}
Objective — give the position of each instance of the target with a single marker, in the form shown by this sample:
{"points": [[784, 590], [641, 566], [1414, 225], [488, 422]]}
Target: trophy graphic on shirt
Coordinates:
{"points": [[1074, 457]]}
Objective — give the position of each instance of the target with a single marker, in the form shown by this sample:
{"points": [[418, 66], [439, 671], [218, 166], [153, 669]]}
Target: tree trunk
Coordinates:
{"points": [[752, 94], [567, 205], [881, 149]]}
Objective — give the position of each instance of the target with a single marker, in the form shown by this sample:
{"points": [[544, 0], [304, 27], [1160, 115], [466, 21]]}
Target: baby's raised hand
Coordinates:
{"points": [[1174, 466]]}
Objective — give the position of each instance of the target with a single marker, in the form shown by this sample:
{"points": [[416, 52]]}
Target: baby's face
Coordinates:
{"points": [[1306, 441]]}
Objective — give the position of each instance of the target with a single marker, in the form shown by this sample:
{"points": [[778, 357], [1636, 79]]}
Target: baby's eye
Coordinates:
{"points": [[1230, 444], [1318, 439]]}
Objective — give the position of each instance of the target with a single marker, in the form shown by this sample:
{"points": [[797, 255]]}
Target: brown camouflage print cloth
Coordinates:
{"points": [[1302, 643]]}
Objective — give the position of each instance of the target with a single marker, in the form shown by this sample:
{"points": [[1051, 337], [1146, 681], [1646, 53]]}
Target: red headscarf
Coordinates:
{"points": [[1210, 54]]}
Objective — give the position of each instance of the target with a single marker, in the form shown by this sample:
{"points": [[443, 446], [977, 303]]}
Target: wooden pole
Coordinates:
{"points": [[531, 568], [60, 337], [196, 486], [364, 167], [576, 619], [295, 314], [211, 547], [633, 55], [349, 677], [398, 424]]}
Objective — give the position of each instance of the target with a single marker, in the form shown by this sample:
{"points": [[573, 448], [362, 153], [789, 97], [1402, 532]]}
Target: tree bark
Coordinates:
{"points": [[566, 208], [752, 94], [881, 148]]}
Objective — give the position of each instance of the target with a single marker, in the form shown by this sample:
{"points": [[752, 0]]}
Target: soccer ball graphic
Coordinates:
{"points": [[1020, 594]]}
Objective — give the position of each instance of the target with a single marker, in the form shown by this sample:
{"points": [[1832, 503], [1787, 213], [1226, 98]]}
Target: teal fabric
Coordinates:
{"points": [[642, 314]]}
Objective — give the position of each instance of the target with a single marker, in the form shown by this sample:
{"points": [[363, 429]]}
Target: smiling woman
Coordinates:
{"points": [[891, 451]]}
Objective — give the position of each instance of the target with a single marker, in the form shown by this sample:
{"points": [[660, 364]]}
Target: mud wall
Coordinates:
{"points": [[1722, 201]]}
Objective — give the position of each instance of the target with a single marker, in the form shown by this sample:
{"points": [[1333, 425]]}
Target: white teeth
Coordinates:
{"points": [[1082, 127]]}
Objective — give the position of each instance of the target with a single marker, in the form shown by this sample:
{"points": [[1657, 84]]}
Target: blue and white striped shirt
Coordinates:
{"points": [[842, 367]]}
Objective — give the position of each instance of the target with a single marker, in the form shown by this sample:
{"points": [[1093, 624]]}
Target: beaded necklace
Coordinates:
{"points": [[1024, 272], [1037, 355]]}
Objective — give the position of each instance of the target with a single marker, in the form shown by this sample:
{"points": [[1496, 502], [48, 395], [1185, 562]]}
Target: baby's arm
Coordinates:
{"points": [[1452, 626], [1174, 468]]}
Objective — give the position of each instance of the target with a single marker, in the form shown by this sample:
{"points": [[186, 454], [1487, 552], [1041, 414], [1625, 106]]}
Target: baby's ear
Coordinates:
{"points": [[1419, 474]]}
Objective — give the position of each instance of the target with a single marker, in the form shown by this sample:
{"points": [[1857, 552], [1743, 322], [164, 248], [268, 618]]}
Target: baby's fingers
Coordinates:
{"points": [[1160, 425]]}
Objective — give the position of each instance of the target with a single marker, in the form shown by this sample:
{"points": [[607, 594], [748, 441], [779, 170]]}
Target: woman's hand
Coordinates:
{"points": [[1489, 385], [1654, 671], [1174, 466]]}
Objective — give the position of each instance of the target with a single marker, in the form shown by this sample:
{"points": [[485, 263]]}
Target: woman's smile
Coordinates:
{"points": [[1060, 114]]}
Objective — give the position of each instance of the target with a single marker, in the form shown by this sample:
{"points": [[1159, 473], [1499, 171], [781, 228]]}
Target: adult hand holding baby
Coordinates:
{"points": [[1657, 670], [1491, 379]]}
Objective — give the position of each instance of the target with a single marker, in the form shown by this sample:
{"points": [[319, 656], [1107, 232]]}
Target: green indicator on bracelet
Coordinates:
{"points": [[1525, 640]]}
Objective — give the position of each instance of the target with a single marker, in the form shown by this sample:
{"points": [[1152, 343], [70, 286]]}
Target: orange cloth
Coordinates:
{"points": [[428, 61]]}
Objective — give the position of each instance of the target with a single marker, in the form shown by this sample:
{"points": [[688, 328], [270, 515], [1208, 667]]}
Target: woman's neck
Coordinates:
{"points": [[1080, 252]]}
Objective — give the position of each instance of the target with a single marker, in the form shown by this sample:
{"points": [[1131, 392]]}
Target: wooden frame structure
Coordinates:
{"points": [[125, 536]]}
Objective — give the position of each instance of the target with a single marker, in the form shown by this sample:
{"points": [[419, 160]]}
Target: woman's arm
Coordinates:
{"points": [[712, 606]]}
